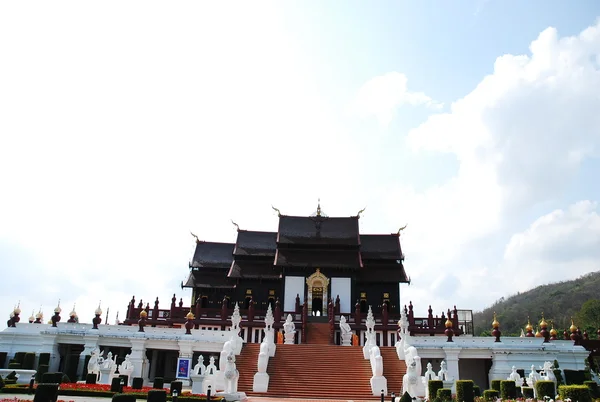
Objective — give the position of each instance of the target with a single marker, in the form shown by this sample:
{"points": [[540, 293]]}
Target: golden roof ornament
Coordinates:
{"points": [[543, 323], [448, 323], [98, 310], [276, 210], [189, 316], [572, 328], [143, 314], [553, 332], [528, 327], [58, 310], [31, 317], [495, 323], [236, 225], [538, 334], [197, 239], [73, 313], [17, 310], [360, 212], [402, 228], [40, 315]]}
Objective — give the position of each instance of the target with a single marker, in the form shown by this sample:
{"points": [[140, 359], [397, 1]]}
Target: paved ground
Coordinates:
{"points": [[250, 399]]}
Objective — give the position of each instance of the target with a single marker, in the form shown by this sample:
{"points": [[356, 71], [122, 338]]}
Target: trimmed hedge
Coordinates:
{"points": [[115, 385], [496, 385], [476, 391], [444, 394], [491, 394], [91, 378], [71, 367], [3, 356], [28, 361], [545, 388], [508, 389], [574, 377], [42, 369], [46, 393], [594, 389], [405, 397], [123, 398], [51, 378], [19, 357], [527, 392], [44, 359], [137, 383], [464, 390], [579, 393], [159, 383], [433, 386], [157, 395], [14, 365], [176, 386]]}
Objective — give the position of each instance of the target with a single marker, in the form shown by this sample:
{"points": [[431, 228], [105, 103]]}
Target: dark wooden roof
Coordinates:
{"points": [[201, 279], [318, 230], [383, 273], [251, 243], [254, 270], [318, 258], [213, 255], [385, 247]]}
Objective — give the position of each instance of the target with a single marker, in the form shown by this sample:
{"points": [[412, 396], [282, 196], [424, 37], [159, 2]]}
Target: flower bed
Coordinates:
{"points": [[98, 390]]}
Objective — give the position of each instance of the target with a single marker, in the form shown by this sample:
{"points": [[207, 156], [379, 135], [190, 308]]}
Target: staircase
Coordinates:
{"points": [[246, 364], [317, 333], [393, 369], [318, 371]]}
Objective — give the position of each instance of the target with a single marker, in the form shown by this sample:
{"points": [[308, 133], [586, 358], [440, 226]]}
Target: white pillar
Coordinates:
{"points": [[138, 358], [500, 369], [452, 363], [49, 345], [186, 350], [90, 342]]}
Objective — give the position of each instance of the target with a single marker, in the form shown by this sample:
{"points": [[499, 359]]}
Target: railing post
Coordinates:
{"points": [[155, 312], [304, 320], [251, 310], [357, 312], [277, 315]]}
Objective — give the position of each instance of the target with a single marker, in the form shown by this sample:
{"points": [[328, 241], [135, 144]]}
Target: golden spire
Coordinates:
{"points": [[529, 327], [276, 210], [495, 323], [553, 332], [448, 323], [360, 212], [319, 208], [197, 239], [538, 334], [543, 323], [189, 316], [572, 328], [402, 228], [143, 314]]}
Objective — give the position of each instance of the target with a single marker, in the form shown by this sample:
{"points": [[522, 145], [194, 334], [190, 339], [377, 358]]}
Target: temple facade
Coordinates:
{"points": [[309, 258]]}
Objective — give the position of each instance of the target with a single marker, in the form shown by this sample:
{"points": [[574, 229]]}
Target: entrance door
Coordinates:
{"points": [[317, 301]]}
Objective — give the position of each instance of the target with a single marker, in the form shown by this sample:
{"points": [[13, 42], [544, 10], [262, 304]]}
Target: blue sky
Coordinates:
{"points": [[125, 126]]}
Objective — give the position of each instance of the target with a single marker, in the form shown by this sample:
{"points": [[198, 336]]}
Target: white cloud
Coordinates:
{"points": [[520, 137], [382, 95]]}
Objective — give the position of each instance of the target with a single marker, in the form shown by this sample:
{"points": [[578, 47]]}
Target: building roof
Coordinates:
{"points": [[254, 270], [318, 258], [198, 279], [318, 230], [385, 247], [212, 255], [391, 273], [250, 243]]}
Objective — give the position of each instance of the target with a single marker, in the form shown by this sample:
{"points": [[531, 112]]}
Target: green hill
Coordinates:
{"points": [[558, 301]]}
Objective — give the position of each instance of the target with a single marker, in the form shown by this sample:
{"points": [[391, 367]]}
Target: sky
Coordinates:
{"points": [[124, 126]]}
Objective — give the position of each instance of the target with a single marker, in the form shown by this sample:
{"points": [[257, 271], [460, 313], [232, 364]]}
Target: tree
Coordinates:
{"points": [[589, 315]]}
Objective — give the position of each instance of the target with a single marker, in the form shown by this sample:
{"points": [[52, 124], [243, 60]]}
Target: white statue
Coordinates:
{"points": [[227, 347], [378, 381], [108, 362], [346, 332], [403, 338], [429, 375], [211, 376], [211, 369], [93, 366], [261, 378], [236, 340], [289, 330], [200, 368], [410, 381], [514, 376], [370, 340], [231, 374], [269, 338], [443, 373], [126, 365], [533, 378]]}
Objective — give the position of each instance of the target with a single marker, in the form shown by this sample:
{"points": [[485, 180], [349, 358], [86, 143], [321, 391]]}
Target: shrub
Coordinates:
{"points": [[444, 394], [545, 388], [71, 366], [52, 378], [594, 389], [85, 366], [137, 383], [44, 359], [527, 392], [159, 383], [491, 394], [125, 379], [580, 393], [65, 379], [176, 386], [28, 361], [508, 389], [14, 366], [496, 385], [46, 393], [90, 378], [42, 369], [12, 375], [3, 356], [123, 398], [405, 397], [476, 391], [157, 395], [19, 356], [1, 382], [464, 390], [433, 386], [574, 377], [115, 385]]}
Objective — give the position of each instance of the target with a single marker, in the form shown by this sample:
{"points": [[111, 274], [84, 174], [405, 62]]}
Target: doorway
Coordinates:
{"points": [[317, 286], [317, 300]]}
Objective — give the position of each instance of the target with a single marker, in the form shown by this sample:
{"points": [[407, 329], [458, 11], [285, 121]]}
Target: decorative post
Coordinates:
{"points": [[155, 312], [130, 308], [449, 332], [277, 317], [529, 329], [544, 329], [566, 335], [189, 323], [573, 330], [56, 317], [31, 320], [337, 304], [553, 334], [235, 339], [39, 317], [357, 312], [269, 331], [297, 307], [430, 317], [251, 310], [496, 328], [173, 300], [198, 306], [142, 320], [97, 319], [304, 321], [585, 335], [73, 316]]}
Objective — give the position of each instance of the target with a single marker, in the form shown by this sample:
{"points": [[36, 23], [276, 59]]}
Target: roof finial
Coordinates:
{"points": [[236, 225], [276, 210], [360, 212], [197, 239], [402, 228], [319, 207]]}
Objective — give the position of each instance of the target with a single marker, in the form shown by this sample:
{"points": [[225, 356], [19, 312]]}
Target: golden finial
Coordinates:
{"points": [[189, 316], [276, 210], [543, 323], [448, 323], [495, 323], [538, 334], [236, 225], [319, 208], [143, 314], [553, 332], [197, 239], [529, 327], [360, 212], [572, 328], [402, 228]]}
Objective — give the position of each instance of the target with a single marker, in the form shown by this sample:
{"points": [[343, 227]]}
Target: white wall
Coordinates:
{"points": [[342, 287], [294, 285]]}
